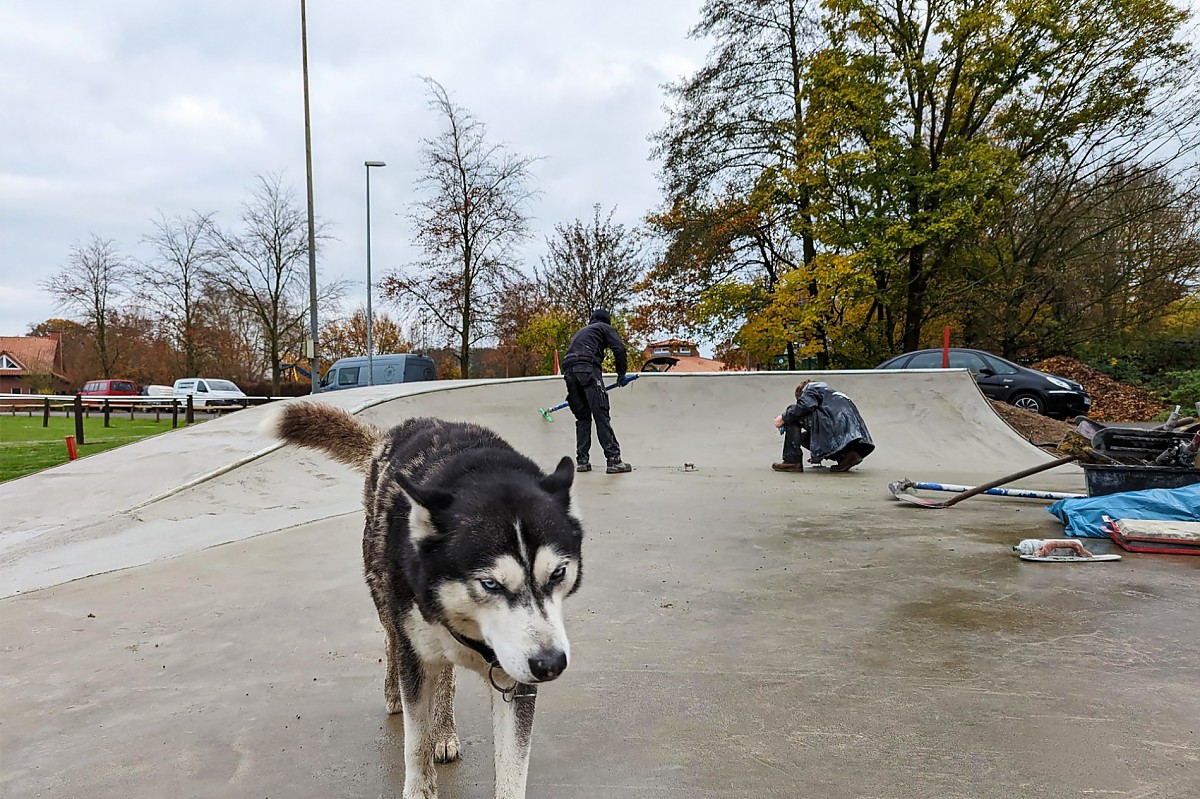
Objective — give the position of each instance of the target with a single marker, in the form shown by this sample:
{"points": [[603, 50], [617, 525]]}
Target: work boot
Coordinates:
{"points": [[847, 462], [784, 466], [618, 467], [583, 466]]}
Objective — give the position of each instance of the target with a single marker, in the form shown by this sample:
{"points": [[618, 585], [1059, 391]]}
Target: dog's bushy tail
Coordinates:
{"points": [[331, 430]]}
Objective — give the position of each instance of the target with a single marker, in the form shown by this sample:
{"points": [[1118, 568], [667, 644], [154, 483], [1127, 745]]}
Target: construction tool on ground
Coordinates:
{"points": [[1091, 443], [909, 486], [900, 490]]}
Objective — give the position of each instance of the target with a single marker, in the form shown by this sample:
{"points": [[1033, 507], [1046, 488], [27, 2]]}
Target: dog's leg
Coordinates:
{"points": [[512, 726], [445, 736], [391, 678], [418, 685]]}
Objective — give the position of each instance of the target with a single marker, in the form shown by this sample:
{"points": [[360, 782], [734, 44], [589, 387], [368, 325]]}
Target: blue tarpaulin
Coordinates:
{"points": [[1084, 517]]}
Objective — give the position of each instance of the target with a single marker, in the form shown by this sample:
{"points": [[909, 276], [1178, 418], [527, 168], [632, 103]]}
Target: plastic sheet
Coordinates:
{"points": [[1083, 518]]}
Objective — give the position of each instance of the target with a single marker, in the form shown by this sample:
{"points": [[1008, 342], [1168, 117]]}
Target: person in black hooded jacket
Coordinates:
{"points": [[585, 390]]}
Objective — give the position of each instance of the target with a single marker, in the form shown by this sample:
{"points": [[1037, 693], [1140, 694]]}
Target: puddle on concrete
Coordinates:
{"points": [[974, 610]]}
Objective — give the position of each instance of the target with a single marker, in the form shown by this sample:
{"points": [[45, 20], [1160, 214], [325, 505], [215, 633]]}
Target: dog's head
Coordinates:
{"points": [[494, 561]]}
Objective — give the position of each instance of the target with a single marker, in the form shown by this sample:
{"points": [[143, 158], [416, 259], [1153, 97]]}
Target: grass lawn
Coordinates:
{"points": [[27, 447]]}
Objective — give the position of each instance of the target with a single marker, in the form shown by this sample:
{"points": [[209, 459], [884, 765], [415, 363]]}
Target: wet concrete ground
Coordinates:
{"points": [[739, 633]]}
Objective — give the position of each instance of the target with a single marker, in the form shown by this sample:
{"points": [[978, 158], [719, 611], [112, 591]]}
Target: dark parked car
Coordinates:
{"points": [[1005, 381]]}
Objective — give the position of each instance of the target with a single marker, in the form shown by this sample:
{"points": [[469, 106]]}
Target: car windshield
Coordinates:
{"points": [[222, 385]]}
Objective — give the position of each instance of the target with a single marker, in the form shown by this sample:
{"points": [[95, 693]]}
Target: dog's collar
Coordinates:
{"points": [[485, 651], [517, 690]]}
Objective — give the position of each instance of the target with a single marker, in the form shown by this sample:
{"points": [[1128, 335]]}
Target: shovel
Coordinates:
{"points": [[902, 489]]}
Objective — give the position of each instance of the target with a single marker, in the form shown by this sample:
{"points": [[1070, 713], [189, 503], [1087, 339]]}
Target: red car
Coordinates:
{"points": [[109, 388]]}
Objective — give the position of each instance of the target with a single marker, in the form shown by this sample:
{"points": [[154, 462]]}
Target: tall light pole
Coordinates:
{"points": [[312, 230], [370, 336]]}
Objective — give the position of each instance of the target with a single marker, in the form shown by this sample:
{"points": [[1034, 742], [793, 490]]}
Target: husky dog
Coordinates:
{"points": [[469, 551]]}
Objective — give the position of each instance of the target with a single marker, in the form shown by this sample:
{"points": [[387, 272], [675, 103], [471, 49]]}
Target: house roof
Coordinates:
{"points": [[34, 354]]}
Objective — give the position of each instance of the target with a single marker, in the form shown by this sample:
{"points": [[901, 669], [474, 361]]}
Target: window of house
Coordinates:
{"points": [[684, 351], [662, 350], [8, 363], [16, 390]]}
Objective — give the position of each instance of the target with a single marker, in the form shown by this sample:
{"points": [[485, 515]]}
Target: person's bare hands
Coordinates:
{"points": [[778, 421]]}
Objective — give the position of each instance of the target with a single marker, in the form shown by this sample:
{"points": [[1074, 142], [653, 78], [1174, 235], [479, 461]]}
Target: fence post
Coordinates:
{"points": [[190, 414], [132, 405], [174, 413], [79, 419], [46, 412], [107, 412]]}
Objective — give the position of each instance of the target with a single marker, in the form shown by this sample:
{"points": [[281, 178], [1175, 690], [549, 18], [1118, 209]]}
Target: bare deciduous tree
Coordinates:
{"points": [[473, 214], [90, 284], [175, 280], [590, 265], [264, 268], [346, 337]]}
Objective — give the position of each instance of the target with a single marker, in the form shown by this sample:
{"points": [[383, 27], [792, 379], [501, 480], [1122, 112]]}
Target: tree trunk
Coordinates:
{"points": [[464, 352], [914, 305], [275, 373]]}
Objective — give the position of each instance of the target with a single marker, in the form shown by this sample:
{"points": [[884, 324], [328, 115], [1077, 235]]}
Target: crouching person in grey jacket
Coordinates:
{"points": [[828, 424]]}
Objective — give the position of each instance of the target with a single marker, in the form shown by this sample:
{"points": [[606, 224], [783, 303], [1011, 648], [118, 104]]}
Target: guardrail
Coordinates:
{"points": [[82, 407]]}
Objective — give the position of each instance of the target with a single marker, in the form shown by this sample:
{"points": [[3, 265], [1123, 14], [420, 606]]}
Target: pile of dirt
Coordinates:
{"points": [[1112, 400], [1032, 426]]}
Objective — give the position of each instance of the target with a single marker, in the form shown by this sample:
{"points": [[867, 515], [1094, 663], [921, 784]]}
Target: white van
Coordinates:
{"points": [[206, 391], [395, 368]]}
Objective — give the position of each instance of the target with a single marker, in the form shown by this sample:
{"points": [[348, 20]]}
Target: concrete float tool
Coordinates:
{"points": [[546, 412]]}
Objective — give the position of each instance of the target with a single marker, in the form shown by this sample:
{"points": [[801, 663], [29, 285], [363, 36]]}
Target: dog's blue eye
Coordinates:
{"points": [[558, 574], [490, 585]]}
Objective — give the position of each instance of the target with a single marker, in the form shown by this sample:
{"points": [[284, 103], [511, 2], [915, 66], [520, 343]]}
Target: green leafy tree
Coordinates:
{"points": [[734, 152], [966, 96]]}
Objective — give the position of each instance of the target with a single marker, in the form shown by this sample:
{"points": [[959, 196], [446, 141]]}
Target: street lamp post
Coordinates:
{"points": [[370, 331], [313, 364]]}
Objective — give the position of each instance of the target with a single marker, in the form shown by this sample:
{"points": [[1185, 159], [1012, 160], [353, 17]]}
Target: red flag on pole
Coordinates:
{"points": [[556, 360], [946, 348]]}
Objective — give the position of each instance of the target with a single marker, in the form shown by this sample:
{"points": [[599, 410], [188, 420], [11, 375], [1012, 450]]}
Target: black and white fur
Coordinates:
{"points": [[469, 550]]}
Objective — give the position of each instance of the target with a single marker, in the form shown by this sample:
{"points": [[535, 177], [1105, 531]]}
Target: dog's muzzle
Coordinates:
{"points": [[548, 664]]}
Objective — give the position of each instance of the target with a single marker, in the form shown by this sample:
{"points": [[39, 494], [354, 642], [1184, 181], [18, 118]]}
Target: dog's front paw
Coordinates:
{"points": [[446, 749], [424, 792]]}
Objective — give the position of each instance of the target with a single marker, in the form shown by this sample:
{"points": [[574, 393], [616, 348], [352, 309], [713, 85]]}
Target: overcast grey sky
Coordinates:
{"points": [[115, 110]]}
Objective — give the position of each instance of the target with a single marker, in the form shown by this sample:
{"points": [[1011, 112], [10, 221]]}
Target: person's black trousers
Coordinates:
{"points": [[589, 402], [795, 438]]}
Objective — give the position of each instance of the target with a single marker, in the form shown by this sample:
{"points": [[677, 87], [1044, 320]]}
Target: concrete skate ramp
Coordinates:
{"points": [[158, 498], [933, 421], [739, 633]]}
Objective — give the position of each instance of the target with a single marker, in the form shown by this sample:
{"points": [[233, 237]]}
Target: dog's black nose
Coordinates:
{"points": [[548, 664]]}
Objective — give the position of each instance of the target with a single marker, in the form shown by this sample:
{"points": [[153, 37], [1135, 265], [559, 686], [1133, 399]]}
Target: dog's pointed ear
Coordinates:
{"points": [[558, 484], [424, 503]]}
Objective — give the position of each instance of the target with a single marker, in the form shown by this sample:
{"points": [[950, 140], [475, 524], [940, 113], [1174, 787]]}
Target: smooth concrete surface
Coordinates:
{"points": [[739, 633]]}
